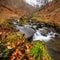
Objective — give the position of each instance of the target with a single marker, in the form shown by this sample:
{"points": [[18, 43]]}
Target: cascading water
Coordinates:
{"points": [[40, 31], [42, 34], [39, 36]]}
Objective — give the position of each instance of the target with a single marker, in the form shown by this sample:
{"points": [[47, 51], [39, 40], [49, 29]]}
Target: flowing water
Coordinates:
{"points": [[43, 33], [39, 36], [52, 40]]}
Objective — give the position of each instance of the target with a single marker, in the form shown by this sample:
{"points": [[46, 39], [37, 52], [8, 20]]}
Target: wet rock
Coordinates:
{"points": [[44, 31], [28, 26], [40, 25], [57, 35], [14, 23], [34, 27], [28, 32]]}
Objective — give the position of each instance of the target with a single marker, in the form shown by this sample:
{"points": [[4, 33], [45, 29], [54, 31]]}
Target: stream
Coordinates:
{"points": [[40, 31]]}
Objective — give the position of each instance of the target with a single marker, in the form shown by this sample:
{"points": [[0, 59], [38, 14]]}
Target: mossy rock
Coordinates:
{"points": [[25, 21]]}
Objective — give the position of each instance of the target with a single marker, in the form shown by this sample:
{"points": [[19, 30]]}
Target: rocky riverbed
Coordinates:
{"points": [[19, 37], [42, 32]]}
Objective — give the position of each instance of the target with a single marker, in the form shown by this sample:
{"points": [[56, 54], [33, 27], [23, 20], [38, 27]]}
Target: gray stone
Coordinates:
{"points": [[28, 32], [44, 31]]}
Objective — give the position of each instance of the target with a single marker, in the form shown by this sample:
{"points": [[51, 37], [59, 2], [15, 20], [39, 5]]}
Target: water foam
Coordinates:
{"points": [[39, 36]]}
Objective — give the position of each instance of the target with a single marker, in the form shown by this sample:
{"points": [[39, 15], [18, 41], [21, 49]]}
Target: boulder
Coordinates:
{"points": [[28, 32], [44, 31]]}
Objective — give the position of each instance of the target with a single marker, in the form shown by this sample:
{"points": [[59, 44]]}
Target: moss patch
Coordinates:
{"points": [[39, 51]]}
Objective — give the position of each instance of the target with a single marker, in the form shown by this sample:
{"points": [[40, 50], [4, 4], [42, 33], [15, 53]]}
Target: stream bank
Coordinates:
{"points": [[31, 32], [43, 32]]}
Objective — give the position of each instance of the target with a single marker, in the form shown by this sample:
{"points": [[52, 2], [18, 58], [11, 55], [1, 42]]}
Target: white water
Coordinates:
{"points": [[36, 3], [39, 36]]}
